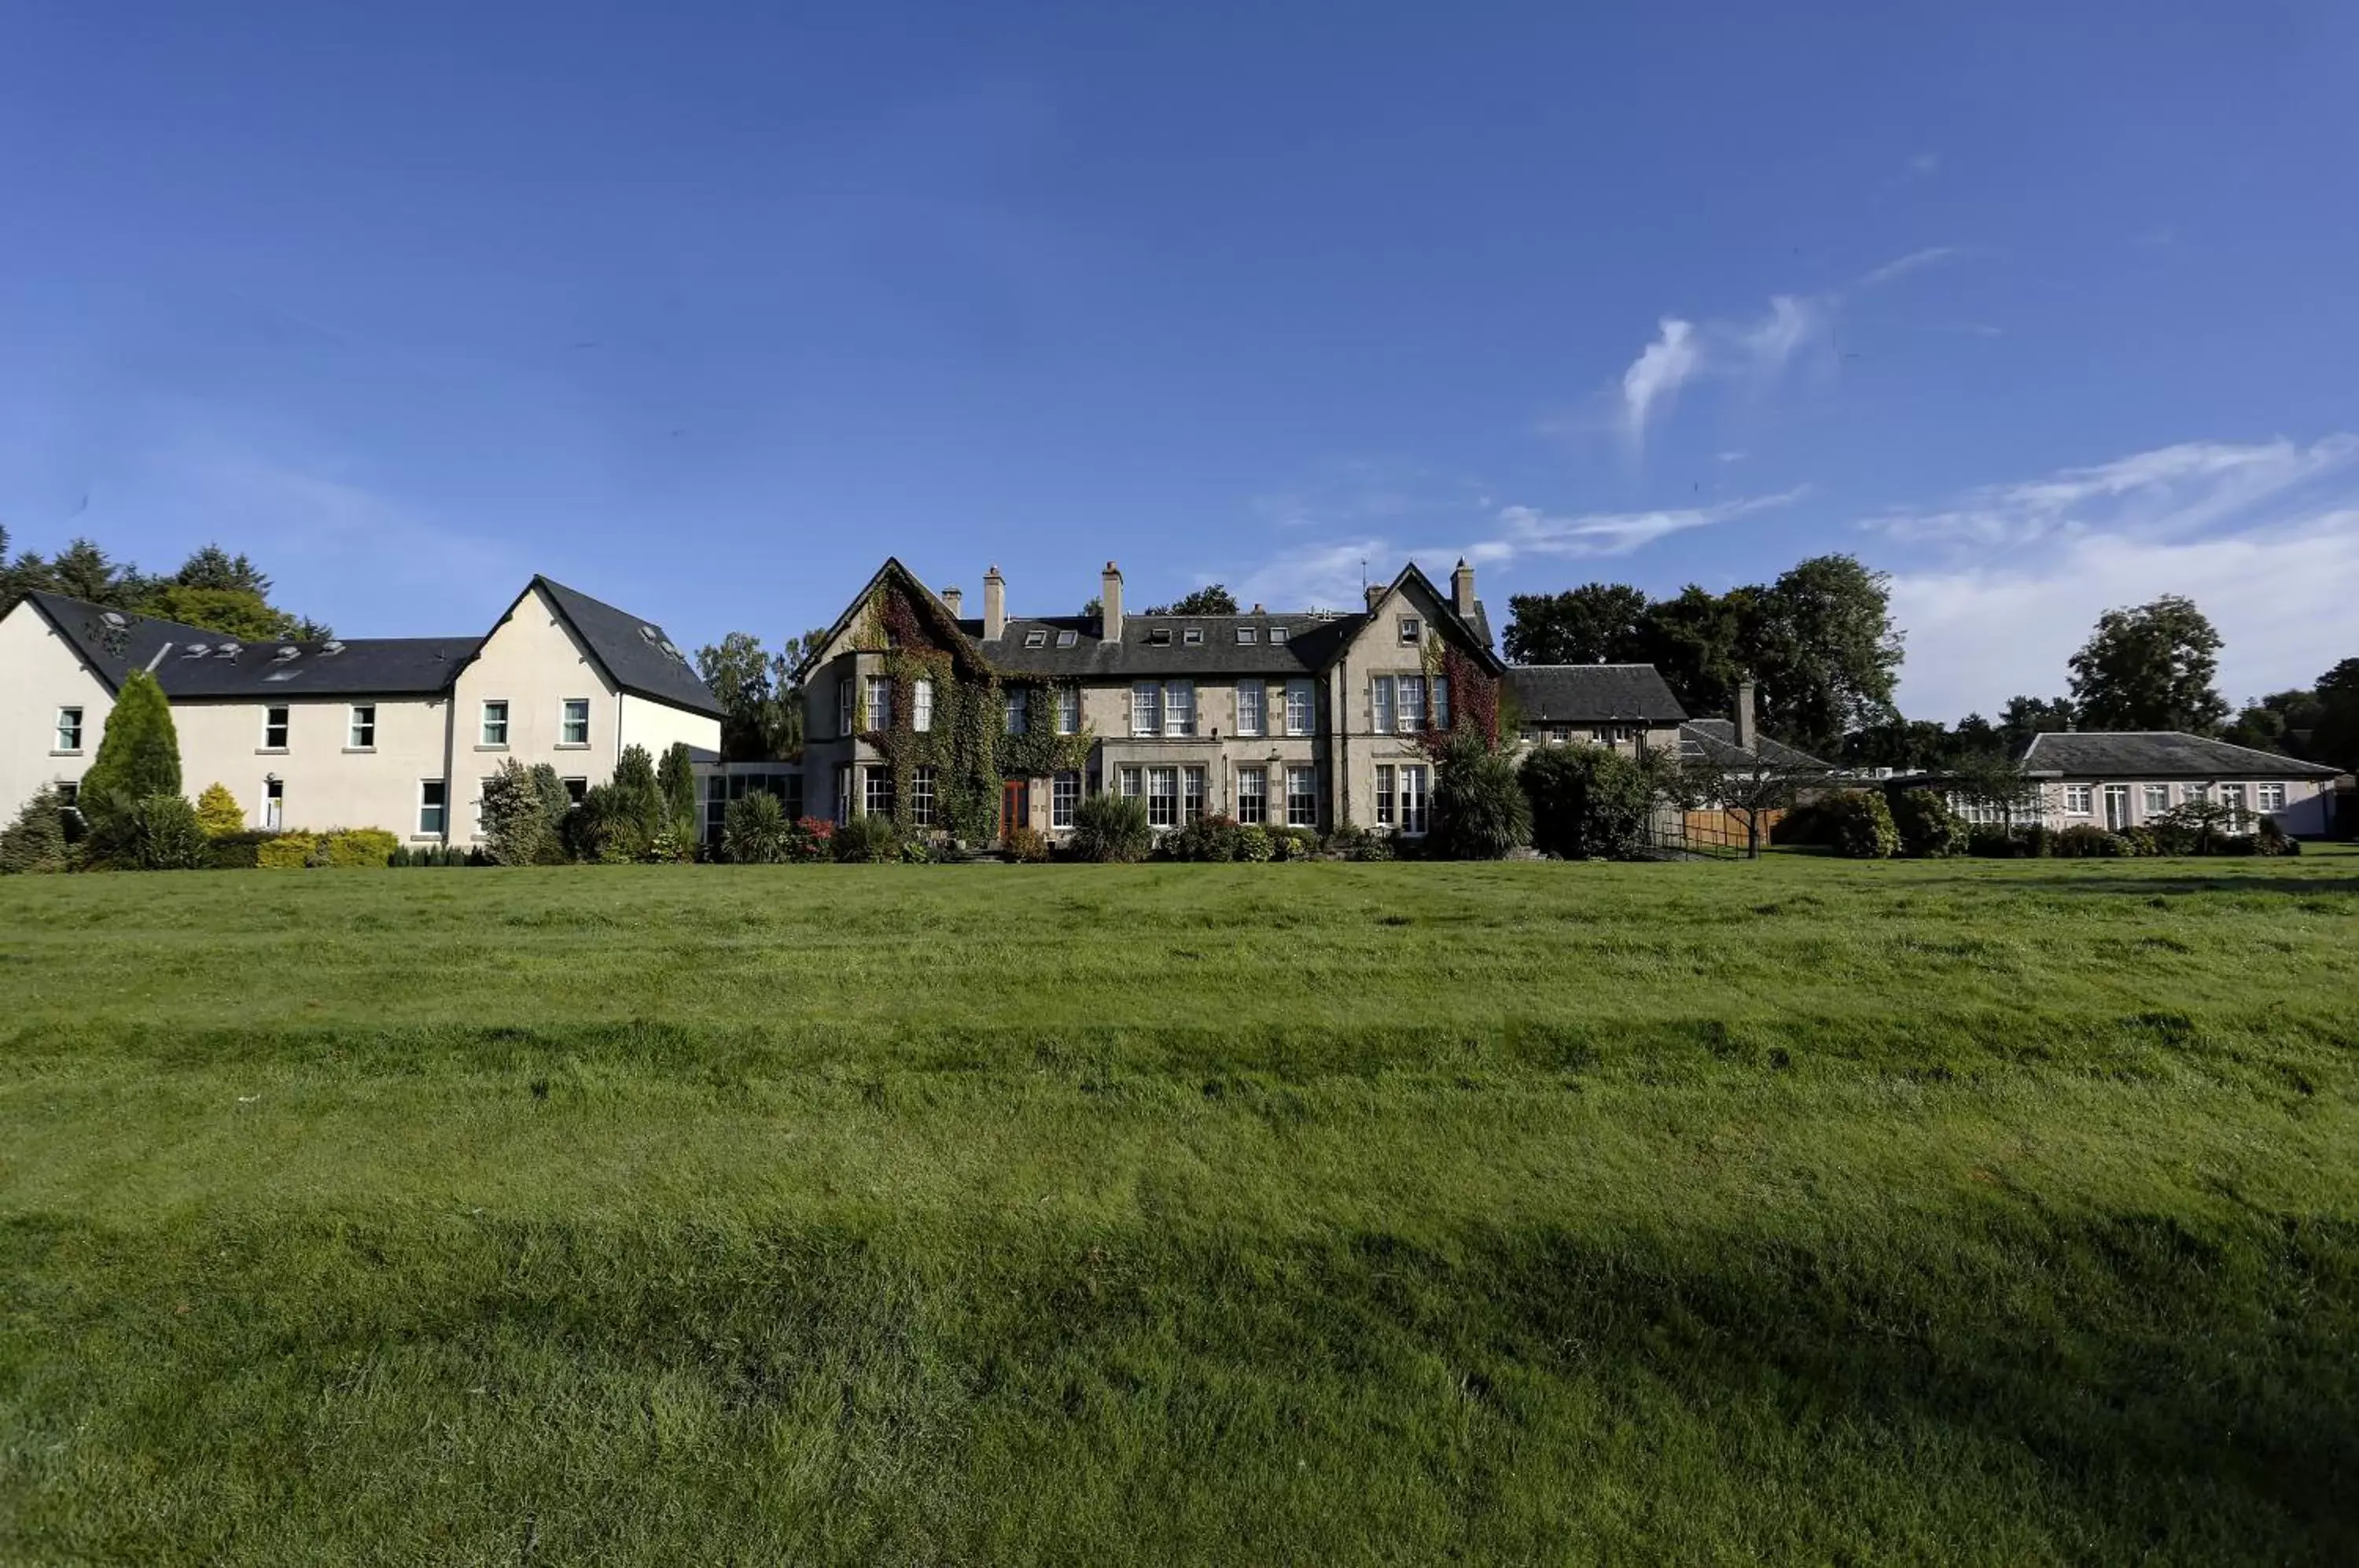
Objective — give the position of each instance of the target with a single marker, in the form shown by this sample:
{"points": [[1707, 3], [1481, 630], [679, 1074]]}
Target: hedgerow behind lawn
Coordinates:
{"points": [[1797, 1212]]}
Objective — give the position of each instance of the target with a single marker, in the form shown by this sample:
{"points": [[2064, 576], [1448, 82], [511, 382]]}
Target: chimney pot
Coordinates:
{"points": [[1461, 589], [995, 605], [1110, 604], [956, 600]]}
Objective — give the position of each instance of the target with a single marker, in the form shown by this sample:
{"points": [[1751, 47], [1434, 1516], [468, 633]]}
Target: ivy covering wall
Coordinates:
{"points": [[1474, 695], [967, 744]]}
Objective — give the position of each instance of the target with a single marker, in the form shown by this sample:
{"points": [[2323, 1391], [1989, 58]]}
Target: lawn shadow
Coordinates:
{"points": [[2158, 886]]}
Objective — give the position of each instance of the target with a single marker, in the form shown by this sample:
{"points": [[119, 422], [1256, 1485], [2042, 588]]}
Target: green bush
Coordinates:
{"points": [[218, 811], [1859, 824], [138, 757], [1209, 839], [1479, 809], [1026, 846], [35, 842], [285, 852], [867, 840], [2141, 841], [916, 851], [435, 855], [1362, 843], [1805, 823], [2086, 841], [352, 847], [676, 781], [2272, 839], [1589, 802], [755, 830], [1994, 842], [239, 851], [1254, 842], [1928, 829], [1293, 844], [1108, 827], [158, 834]]}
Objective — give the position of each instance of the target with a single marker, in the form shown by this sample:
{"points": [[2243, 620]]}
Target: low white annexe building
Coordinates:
{"points": [[2116, 780], [393, 733]]}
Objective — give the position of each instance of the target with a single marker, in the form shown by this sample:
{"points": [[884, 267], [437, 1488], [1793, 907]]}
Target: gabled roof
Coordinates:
{"points": [[638, 656], [114, 642], [955, 632], [2158, 754], [1585, 693], [1714, 741]]}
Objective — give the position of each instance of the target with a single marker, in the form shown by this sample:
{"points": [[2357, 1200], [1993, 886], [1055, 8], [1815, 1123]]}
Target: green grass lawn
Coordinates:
{"points": [[1798, 1212]]}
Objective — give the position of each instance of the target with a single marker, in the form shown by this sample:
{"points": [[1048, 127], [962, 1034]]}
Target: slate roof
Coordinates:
{"points": [[1587, 693], [1714, 740], [114, 644], [638, 656], [2157, 754]]}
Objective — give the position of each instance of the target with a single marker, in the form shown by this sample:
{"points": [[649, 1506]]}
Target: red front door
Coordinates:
{"points": [[1014, 807]]}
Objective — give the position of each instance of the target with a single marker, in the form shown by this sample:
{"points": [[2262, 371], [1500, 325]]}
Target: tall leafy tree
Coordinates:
{"points": [[1696, 641], [2334, 736], [2024, 717], [2280, 722], [139, 755], [1822, 642], [2150, 668], [1213, 599], [1596, 623], [676, 778], [761, 701]]}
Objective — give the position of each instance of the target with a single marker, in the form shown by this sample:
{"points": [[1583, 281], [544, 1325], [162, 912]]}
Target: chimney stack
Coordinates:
{"points": [[1746, 739], [1110, 604], [995, 605], [1373, 592], [1461, 589], [956, 600]]}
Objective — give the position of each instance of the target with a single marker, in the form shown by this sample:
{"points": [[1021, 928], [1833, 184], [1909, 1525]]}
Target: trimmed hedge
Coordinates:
{"points": [[1858, 824]]}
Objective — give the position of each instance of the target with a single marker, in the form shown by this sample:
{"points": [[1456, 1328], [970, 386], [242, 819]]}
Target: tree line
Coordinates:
{"points": [[1820, 644], [212, 589]]}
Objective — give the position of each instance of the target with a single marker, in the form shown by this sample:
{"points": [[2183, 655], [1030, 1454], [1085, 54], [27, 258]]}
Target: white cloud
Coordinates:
{"points": [[1902, 265], [1526, 530], [1791, 323], [1320, 576], [2263, 536], [1658, 373]]}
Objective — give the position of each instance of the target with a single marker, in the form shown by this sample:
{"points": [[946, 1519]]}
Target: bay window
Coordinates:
{"points": [[1162, 797], [1380, 704], [1441, 702], [1191, 794], [1253, 794], [843, 695], [1302, 797], [880, 701]]}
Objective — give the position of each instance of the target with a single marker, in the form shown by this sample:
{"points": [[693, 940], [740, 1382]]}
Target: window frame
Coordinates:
{"points": [[875, 784], [2148, 796], [1179, 709], [879, 693], [1385, 771], [1064, 797], [1416, 799], [1069, 708], [846, 695], [284, 725], [1194, 786], [1147, 720], [1247, 637], [1308, 691], [274, 806], [1382, 693], [1437, 698], [1258, 691], [1279, 634], [1308, 818], [439, 806], [565, 737], [78, 728], [1409, 694], [1016, 709], [1163, 796], [2079, 799], [921, 704], [1129, 781], [484, 721], [2268, 797], [921, 797], [1411, 630], [1258, 812], [360, 733]]}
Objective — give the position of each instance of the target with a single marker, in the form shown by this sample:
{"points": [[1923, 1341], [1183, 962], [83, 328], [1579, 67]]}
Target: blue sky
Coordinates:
{"points": [[706, 309]]}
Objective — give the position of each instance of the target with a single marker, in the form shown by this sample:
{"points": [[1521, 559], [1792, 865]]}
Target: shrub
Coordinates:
{"points": [[1109, 827], [524, 811], [2196, 827], [676, 781], [218, 814], [35, 842], [916, 851], [2086, 841], [138, 757], [352, 847], [1928, 829], [1589, 802], [239, 851], [435, 854], [2141, 841], [1991, 840], [1804, 824], [755, 830], [285, 851], [1859, 824], [157, 833], [1211, 839], [1293, 844], [1254, 842], [869, 839], [2272, 839], [811, 839], [1028, 846], [1479, 809]]}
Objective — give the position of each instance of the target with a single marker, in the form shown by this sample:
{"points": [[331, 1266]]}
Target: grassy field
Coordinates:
{"points": [[1801, 1211]]}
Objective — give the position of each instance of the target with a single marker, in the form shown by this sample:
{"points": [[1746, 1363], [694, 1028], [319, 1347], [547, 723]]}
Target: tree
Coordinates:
{"points": [[138, 756], [1590, 802], [2150, 668], [761, 702], [1597, 623], [1479, 809], [218, 811], [36, 840], [1693, 642], [1742, 784], [1823, 646], [1093, 606], [2334, 737], [2280, 722], [83, 571], [2024, 717], [232, 613], [1213, 599], [522, 817], [676, 778], [215, 569]]}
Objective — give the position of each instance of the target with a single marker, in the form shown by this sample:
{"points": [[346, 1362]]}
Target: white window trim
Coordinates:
{"points": [[921, 704], [266, 749], [1416, 803], [2087, 794], [1259, 723], [1312, 793], [1068, 708], [81, 731], [484, 741], [421, 831], [351, 727], [589, 711], [1309, 695], [1148, 721], [1178, 697], [1260, 775]]}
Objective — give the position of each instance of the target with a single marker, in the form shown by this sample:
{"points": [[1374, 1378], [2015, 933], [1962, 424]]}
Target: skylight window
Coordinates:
{"points": [[1278, 634], [1192, 635], [1160, 636], [1068, 638], [1036, 638], [1247, 637]]}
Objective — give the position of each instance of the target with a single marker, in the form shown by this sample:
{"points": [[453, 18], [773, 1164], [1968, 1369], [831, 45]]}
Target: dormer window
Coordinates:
{"points": [[1278, 634], [1193, 637], [1159, 636], [1247, 637], [1411, 628]]}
